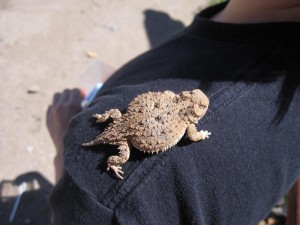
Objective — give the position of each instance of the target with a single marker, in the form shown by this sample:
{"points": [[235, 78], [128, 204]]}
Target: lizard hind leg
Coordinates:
{"points": [[113, 113], [100, 139], [114, 162]]}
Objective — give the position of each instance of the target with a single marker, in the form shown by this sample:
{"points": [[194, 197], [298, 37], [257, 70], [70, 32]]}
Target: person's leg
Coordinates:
{"points": [[64, 106], [293, 217]]}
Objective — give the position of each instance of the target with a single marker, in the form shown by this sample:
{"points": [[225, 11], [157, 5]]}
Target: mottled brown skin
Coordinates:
{"points": [[153, 122]]}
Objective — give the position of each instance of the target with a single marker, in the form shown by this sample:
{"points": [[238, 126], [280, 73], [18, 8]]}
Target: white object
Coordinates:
{"points": [[91, 95], [93, 79], [21, 189]]}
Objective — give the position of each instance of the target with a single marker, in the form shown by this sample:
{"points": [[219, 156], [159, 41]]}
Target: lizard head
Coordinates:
{"points": [[198, 104]]}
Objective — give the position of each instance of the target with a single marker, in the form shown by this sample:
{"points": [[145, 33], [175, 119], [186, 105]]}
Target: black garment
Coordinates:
{"points": [[249, 72]]}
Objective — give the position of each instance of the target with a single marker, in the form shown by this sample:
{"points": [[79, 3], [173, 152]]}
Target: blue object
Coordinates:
{"points": [[91, 95]]}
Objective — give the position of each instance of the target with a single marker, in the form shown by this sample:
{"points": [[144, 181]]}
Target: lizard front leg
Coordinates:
{"points": [[114, 162], [113, 113], [194, 135]]}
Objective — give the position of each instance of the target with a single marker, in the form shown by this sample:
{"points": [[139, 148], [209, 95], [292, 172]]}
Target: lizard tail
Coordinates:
{"points": [[91, 143]]}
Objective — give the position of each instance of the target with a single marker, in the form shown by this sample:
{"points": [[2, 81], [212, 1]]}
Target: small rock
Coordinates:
{"points": [[29, 149], [91, 54], [33, 89]]}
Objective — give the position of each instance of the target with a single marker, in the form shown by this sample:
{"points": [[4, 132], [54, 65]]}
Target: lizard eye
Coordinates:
{"points": [[199, 110]]}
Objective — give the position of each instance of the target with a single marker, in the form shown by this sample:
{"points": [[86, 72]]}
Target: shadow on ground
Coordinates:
{"points": [[33, 206], [160, 27]]}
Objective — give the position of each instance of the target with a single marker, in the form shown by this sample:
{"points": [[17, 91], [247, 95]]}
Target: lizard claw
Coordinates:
{"points": [[117, 169], [205, 134], [99, 118]]}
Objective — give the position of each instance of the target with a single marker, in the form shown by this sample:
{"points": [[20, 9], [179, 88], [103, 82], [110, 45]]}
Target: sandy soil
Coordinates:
{"points": [[43, 49]]}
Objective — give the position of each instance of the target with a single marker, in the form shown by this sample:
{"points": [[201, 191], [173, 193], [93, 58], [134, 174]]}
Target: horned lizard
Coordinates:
{"points": [[153, 122]]}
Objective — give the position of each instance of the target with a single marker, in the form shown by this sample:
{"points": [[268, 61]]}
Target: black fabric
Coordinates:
{"points": [[234, 177]]}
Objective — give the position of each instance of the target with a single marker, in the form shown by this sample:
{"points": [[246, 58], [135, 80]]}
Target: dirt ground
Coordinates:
{"points": [[44, 46], [43, 49]]}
